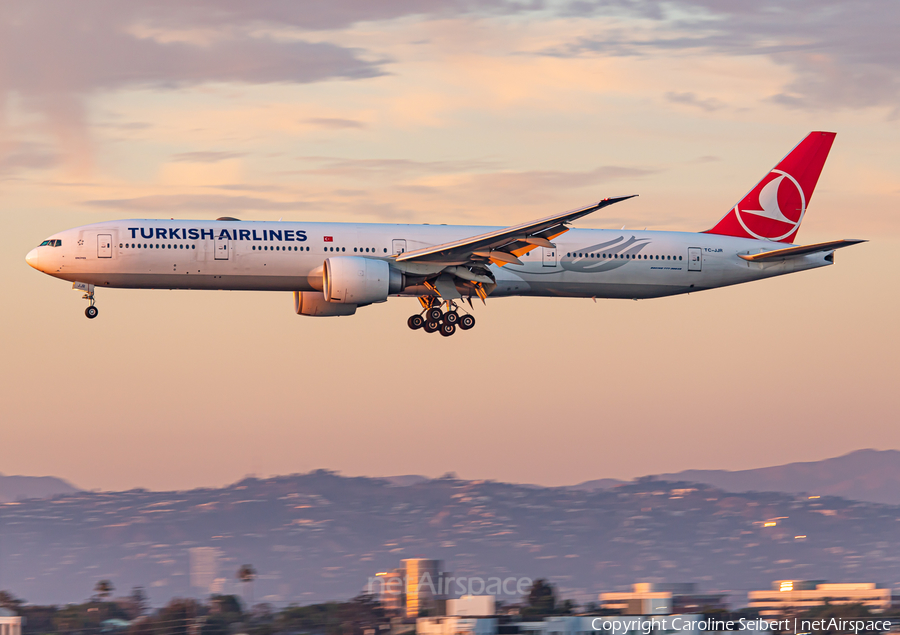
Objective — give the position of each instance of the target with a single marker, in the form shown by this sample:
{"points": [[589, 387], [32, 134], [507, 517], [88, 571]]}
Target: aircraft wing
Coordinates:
{"points": [[803, 250], [502, 246]]}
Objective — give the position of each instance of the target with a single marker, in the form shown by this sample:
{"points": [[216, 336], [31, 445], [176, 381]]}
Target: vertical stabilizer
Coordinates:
{"points": [[774, 209]]}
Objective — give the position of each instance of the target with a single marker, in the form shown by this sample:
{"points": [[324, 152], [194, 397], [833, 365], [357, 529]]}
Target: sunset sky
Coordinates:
{"points": [[418, 111]]}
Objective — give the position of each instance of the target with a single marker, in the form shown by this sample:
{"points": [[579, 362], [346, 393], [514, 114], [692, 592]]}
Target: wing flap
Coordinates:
{"points": [[499, 256]]}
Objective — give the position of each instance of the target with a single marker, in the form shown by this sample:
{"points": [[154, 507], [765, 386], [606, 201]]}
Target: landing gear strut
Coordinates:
{"points": [[432, 319]]}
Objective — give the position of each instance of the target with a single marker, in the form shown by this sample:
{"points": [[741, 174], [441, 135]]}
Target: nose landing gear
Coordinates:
{"points": [[91, 312], [433, 319]]}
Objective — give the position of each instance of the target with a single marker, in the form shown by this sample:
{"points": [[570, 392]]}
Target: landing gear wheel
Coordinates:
{"points": [[91, 312], [434, 314], [415, 322], [451, 317], [448, 329], [466, 322], [431, 327]]}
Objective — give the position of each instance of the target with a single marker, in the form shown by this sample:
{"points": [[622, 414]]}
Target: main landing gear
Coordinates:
{"points": [[433, 319]]}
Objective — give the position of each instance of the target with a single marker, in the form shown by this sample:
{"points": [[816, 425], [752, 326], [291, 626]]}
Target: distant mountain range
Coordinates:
{"points": [[321, 536], [15, 488], [864, 475], [406, 480]]}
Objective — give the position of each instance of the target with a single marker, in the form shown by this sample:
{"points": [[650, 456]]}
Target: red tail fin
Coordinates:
{"points": [[774, 209]]}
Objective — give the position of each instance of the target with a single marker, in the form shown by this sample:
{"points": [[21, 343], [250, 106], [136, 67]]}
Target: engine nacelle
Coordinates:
{"points": [[356, 280], [314, 303]]}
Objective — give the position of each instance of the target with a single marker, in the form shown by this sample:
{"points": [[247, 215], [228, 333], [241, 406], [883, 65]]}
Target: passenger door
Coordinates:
{"points": [[549, 256], [398, 246], [695, 259], [104, 245], [222, 248]]}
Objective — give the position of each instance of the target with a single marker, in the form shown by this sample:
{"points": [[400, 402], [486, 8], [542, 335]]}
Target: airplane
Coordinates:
{"points": [[335, 268]]}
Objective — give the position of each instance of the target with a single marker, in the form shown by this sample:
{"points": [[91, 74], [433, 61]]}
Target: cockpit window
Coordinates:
{"points": [[46, 242], [55, 243]]}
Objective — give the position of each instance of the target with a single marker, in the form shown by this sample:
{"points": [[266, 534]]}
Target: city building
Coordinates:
{"points": [[687, 624], [204, 567], [416, 588], [452, 625], [389, 587], [472, 606], [10, 623], [425, 594], [804, 594], [666, 598]]}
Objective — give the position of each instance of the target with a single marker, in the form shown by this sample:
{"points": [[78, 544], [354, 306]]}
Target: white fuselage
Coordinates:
{"points": [[287, 256]]}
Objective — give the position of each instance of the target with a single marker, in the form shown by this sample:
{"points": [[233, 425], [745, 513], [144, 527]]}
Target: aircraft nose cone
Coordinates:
{"points": [[32, 258]]}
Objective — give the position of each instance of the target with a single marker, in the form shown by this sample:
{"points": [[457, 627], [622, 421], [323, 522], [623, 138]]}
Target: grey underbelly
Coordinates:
{"points": [[231, 282]]}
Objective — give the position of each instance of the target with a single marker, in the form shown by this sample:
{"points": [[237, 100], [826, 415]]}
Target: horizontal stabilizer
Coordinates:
{"points": [[802, 250]]}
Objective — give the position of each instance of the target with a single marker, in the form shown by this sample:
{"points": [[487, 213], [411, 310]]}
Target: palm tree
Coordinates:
{"points": [[104, 589], [246, 574]]}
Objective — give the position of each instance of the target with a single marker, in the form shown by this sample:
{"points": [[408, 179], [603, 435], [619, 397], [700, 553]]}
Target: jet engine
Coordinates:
{"points": [[314, 303], [356, 280]]}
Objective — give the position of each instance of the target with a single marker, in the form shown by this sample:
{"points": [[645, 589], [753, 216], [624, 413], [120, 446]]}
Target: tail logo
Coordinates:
{"points": [[780, 209]]}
